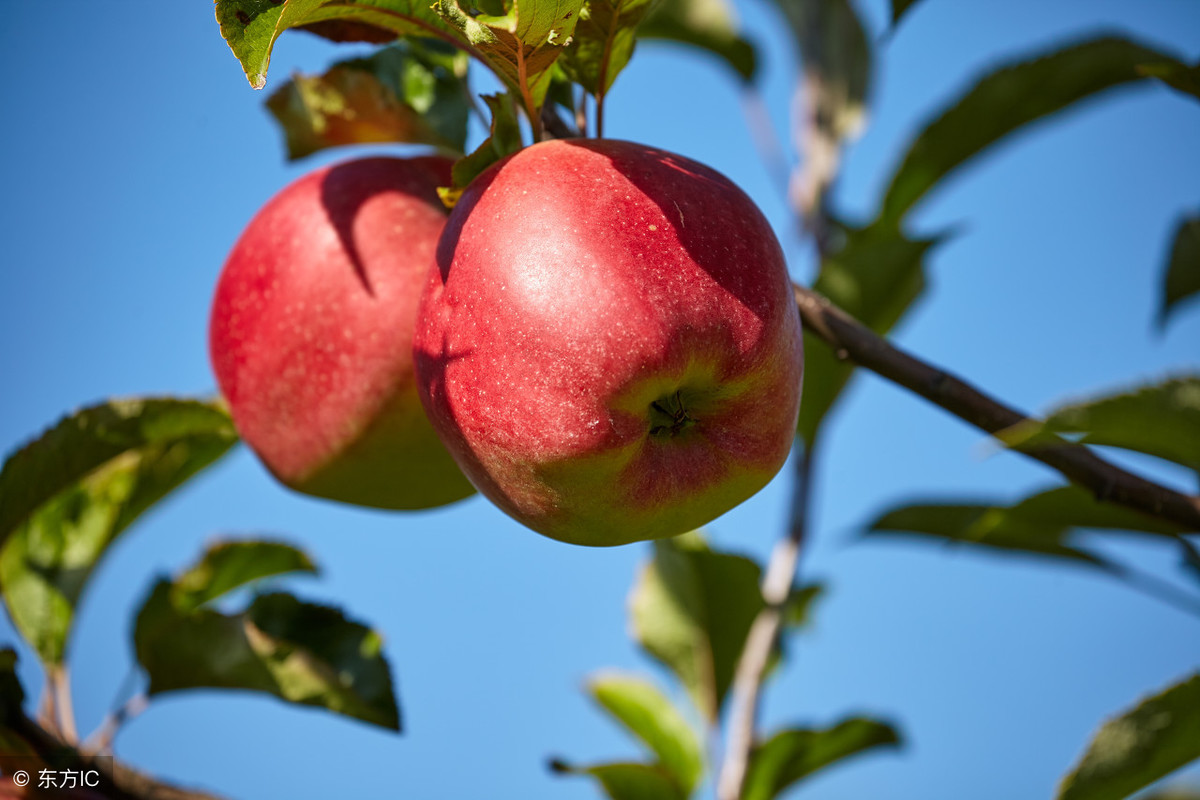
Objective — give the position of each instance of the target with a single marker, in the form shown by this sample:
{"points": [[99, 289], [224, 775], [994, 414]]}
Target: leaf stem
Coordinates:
{"points": [[531, 110]]}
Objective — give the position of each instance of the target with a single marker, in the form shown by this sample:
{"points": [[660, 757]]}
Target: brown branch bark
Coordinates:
{"points": [[1078, 463], [127, 783]]}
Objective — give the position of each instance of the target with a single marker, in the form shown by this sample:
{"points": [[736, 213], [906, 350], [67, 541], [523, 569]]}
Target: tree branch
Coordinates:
{"points": [[760, 642], [1078, 463], [127, 783]]}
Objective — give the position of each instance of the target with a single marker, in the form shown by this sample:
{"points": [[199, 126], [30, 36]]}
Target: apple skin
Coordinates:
{"points": [[311, 334], [609, 347]]}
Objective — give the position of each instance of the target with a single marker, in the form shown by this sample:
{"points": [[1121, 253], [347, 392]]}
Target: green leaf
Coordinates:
{"points": [[68, 495], [1139, 747], [251, 27], [300, 652], [1006, 100], [651, 717], [520, 43], [603, 42], [1160, 419], [1173, 793], [1190, 560], [226, 566], [1182, 279], [692, 609], [89, 438], [874, 274], [504, 139], [791, 755], [798, 611], [1176, 75], [836, 56], [404, 93], [627, 781], [1038, 525], [900, 8], [705, 24]]}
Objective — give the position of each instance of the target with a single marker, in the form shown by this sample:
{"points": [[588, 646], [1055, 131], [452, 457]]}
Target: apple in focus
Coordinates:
{"points": [[312, 327], [609, 346]]}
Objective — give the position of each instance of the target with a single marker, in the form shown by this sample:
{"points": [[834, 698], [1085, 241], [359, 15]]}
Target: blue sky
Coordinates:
{"points": [[134, 154]]}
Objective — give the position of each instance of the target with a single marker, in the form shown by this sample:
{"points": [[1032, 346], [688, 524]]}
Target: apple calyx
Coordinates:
{"points": [[669, 415]]}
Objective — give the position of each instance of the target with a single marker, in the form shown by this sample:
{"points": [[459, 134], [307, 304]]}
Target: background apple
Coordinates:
{"points": [[609, 347], [311, 334]]}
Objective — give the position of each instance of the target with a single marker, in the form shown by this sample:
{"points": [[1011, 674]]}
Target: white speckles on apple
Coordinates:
{"points": [[604, 311]]}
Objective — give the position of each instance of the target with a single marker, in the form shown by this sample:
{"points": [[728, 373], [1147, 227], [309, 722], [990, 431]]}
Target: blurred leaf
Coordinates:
{"points": [[1161, 419], [603, 42], [1141, 746], [403, 93], [1006, 100], [1038, 525], [70, 494], [650, 716], [1191, 558], [706, 24], [798, 611], [627, 781], [900, 8], [251, 27], [874, 274], [981, 524], [1176, 75], [300, 652], [791, 755], [226, 566], [1182, 279], [691, 609], [519, 41], [833, 95], [1173, 793], [504, 139]]}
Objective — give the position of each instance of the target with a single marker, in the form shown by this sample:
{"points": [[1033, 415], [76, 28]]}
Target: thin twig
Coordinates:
{"points": [[101, 740], [760, 642], [56, 711], [1076, 462], [581, 122], [555, 126]]}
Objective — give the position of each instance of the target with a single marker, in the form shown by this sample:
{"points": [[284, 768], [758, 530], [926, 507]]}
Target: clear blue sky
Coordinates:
{"points": [[133, 154]]}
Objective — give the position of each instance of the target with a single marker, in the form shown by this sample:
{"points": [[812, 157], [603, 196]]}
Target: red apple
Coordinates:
{"points": [[609, 346], [312, 328]]}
